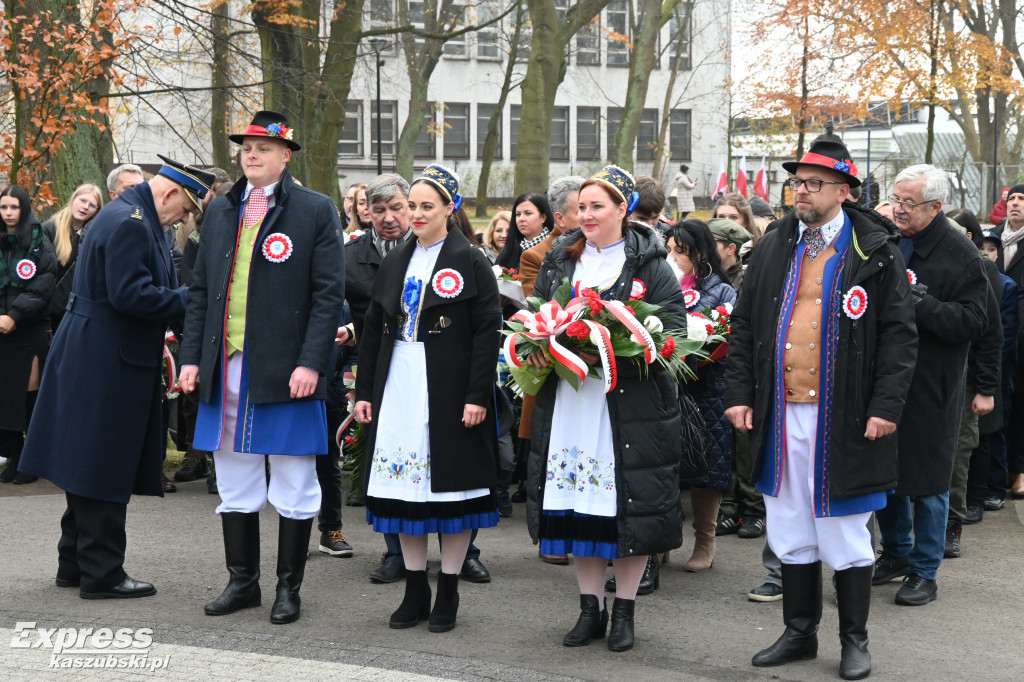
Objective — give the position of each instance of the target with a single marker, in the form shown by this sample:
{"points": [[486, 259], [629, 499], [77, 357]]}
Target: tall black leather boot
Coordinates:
{"points": [[292, 547], [621, 636], [853, 594], [801, 612], [242, 552], [416, 603], [592, 624], [446, 605]]}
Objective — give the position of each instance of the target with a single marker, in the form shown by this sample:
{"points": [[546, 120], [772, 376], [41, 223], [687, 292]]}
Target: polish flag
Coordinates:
{"points": [[723, 183], [761, 182], [741, 177]]}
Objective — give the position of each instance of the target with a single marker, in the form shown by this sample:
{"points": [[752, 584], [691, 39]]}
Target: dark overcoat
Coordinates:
{"points": [[1015, 271], [875, 354], [952, 314], [643, 407], [363, 261], [292, 307], [97, 429], [460, 337]]}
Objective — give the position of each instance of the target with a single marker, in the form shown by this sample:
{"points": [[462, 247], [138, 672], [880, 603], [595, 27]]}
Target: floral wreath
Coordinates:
{"points": [[448, 283], [912, 276], [690, 298], [277, 248], [855, 303], [25, 268], [638, 291]]}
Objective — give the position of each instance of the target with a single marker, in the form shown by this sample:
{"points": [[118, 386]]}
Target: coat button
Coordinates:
{"points": [[818, 280], [213, 339], [812, 346], [789, 369], [229, 317], [218, 297], [227, 255], [813, 371], [789, 392], [789, 346], [817, 301], [812, 393], [622, 390], [814, 325], [627, 446]]}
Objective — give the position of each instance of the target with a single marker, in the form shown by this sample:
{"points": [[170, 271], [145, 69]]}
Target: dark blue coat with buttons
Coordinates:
{"points": [[97, 430], [644, 408]]}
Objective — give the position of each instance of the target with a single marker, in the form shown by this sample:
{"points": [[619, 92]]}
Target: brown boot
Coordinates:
{"points": [[705, 513]]}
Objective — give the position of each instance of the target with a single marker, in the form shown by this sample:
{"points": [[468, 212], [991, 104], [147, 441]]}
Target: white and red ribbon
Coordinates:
{"points": [[172, 370], [625, 316], [25, 268]]}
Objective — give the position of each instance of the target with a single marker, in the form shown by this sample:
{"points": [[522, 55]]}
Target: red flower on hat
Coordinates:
{"points": [[25, 268]]}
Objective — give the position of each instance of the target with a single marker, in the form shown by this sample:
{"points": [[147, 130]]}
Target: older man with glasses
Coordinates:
{"points": [[950, 292], [820, 357]]}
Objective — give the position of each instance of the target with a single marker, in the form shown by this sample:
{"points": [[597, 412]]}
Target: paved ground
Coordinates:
{"points": [[696, 627]]}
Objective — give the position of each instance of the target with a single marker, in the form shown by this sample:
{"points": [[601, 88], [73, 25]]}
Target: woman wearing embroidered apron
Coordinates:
{"points": [[604, 468], [425, 390], [27, 268]]}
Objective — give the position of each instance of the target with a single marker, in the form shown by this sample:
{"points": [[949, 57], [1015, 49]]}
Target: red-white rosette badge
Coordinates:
{"points": [[855, 303], [690, 298], [912, 276], [26, 269], [638, 290], [277, 248], [447, 283]]}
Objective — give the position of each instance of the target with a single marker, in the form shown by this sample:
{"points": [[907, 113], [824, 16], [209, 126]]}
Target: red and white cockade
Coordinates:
{"points": [[855, 303], [277, 248], [638, 290], [447, 283], [690, 298], [25, 268], [912, 276]]}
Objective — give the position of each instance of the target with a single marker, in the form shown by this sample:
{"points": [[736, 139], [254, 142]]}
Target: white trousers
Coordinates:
{"points": [[794, 534], [241, 477]]}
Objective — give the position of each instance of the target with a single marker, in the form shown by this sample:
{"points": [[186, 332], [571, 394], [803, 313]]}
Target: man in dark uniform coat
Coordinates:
{"points": [[97, 430], [1011, 232]]}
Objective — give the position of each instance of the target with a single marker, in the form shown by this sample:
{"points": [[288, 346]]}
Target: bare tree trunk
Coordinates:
{"points": [[219, 117]]}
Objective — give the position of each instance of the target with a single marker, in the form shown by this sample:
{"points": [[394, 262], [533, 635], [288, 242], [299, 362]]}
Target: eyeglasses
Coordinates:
{"points": [[812, 184], [908, 205]]}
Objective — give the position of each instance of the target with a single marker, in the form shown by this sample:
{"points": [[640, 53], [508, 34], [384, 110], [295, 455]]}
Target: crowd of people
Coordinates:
{"points": [[872, 377]]}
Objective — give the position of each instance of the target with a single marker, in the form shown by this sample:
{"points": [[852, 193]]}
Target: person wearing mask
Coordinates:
{"points": [[632, 441], [264, 304], [27, 270], [425, 389], [66, 230], [108, 347]]}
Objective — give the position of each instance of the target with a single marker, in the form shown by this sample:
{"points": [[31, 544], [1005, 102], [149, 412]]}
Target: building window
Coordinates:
{"points": [[560, 134], [680, 32], [679, 134], [487, 38], [387, 128], [612, 119], [588, 43], [382, 14], [618, 33], [520, 15], [351, 142], [456, 131], [425, 147], [588, 133], [647, 135], [417, 18], [513, 128], [455, 47], [483, 119]]}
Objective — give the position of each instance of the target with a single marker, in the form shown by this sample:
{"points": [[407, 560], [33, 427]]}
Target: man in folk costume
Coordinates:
{"points": [[266, 292], [821, 354], [102, 377]]}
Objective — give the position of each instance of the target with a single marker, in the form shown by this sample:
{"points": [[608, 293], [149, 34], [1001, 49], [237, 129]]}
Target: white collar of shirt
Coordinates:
{"points": [[829, 230], [267, 191]]}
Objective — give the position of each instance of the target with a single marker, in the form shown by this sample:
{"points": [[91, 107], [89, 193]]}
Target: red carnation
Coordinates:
{"points": [[514, 276], [669, 348], [578, 330], [721, 310], [596, 306], [590, 293], [349, 440]]}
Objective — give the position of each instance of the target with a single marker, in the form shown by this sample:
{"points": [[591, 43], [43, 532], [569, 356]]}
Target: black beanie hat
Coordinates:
{"points": [[1016, 189]]}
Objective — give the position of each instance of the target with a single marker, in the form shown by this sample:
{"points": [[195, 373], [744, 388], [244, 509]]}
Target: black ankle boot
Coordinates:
{"points": [[292, 547], [416, 604], [621, 636], [592, 624], [652, 576], [446, 605], [801, 613], [853, 594], [242, 552]]}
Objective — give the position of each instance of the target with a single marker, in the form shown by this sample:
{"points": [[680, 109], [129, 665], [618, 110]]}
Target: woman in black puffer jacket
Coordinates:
{"points": [[604, 468], [693, 255]]}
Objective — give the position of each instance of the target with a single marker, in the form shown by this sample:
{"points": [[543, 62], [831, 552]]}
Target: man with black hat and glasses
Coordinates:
{"points": [[109, 346], [821, 354], [266, 295]]}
